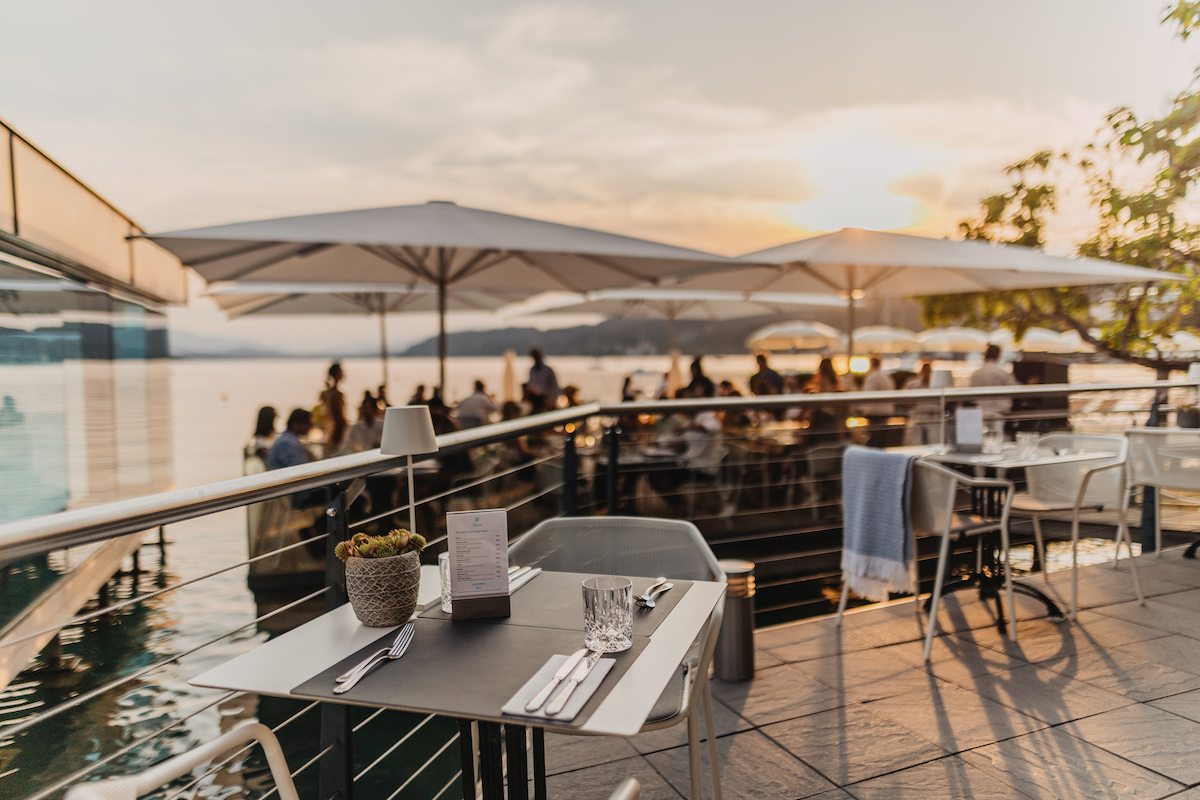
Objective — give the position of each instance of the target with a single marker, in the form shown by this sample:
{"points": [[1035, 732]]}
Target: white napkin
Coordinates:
{"points": [[582, 693]]}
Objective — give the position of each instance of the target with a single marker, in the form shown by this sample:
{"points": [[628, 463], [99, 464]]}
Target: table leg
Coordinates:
{"points": [[466, 749], [539, 764], [518, 762], [491, 761]]}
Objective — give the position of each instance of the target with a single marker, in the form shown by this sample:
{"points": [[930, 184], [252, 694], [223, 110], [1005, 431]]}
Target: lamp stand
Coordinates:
{"points": [[412, 499]]}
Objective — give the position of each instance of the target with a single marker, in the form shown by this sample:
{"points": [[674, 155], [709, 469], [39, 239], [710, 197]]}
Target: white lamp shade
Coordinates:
{"points": [[1193, 373], [408, 431], [941, 379]]}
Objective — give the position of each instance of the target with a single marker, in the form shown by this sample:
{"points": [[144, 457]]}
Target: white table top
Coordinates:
{"points": [[1008, 459], [276, 667]]}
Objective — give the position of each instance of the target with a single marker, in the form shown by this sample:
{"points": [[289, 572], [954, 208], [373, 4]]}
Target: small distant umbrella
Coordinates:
{"points": [[952, 340], [803, 335], [885, 339], [1043, 340], [1003, 338]]}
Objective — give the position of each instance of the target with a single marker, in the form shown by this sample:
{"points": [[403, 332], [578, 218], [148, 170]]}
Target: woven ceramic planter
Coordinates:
{"points": [[383, 591]]}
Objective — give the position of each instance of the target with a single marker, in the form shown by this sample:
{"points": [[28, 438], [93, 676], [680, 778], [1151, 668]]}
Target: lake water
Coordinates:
{"points": [[213, 405]]}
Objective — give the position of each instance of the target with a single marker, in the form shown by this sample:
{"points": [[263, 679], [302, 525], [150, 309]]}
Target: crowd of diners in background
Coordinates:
{"points": [[326, 430]]}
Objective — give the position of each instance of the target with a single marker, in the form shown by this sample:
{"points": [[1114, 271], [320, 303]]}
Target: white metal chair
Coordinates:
{"points": [[132, 787], [629, 789], [1059, 489], [644, 547], [1165, 458], [934, 512]]}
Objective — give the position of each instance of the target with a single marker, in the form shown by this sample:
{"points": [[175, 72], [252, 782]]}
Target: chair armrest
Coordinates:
{"points": [[1087, 479]]}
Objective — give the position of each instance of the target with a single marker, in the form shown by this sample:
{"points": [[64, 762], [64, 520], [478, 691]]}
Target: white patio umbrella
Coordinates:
{"points": [[670, 304], [885, 339], [438, 244], [952, 340], [244, 298], [802, 335], [854, 263], [1043, 340]]}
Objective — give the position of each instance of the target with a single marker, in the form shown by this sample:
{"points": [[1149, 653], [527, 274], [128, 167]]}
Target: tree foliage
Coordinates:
{"points": [[1146, 225]]}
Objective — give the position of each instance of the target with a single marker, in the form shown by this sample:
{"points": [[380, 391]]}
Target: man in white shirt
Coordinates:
{"points": [[877, 414], [992, 374], [477, 409]]}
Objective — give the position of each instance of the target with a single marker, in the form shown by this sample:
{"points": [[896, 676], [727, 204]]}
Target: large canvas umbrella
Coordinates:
{"points": [[439, 244], [244, 298], [854, 263]]}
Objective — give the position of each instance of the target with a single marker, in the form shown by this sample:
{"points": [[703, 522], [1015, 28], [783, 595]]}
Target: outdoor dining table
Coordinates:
{"points": [[469, 669], [990, 580]]}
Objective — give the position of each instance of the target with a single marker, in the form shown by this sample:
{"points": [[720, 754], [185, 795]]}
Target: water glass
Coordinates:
{"points": [[1027, 444], [608, 614], [444, 575], [993, 437]]}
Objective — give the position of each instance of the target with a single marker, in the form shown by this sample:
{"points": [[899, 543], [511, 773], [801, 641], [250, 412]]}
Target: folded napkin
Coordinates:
{"points": [[877, 549], [583, 692]]}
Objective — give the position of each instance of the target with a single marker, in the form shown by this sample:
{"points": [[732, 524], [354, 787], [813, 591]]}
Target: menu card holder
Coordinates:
{"points": [[478, 547], [968, 429]]}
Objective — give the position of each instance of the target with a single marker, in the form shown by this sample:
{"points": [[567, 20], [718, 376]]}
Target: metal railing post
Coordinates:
{"points": [[613, 434], [337, 766], [570, 499]]}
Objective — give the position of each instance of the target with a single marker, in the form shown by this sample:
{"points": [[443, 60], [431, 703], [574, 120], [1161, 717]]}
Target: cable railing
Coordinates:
{"points": [[795, 479]]}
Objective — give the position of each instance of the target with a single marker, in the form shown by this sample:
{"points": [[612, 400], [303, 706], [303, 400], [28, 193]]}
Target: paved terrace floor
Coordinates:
{"points": [[1105, 707]]}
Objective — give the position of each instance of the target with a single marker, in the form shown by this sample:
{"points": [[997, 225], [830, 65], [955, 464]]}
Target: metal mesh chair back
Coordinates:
{"points": [[1167, 458], [1057, 485], [638, 546], [931, 498]]}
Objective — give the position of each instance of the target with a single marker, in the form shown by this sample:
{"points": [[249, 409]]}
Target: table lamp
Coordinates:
{"points": [[408, 431]]}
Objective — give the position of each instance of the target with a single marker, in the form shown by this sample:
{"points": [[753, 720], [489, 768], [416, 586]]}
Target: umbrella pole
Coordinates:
{"points": [[442, 339], [850, 332], [383, 350]]}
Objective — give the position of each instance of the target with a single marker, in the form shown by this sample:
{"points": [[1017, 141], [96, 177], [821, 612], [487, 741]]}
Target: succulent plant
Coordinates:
{"points": [[394, 543]]}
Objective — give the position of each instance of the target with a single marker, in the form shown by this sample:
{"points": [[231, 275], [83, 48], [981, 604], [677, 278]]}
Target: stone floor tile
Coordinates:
{"points": [[832, 794], [954, 658], [1053, 765], [725, 721], [1044, 694], [752, 766], [1173, 650], [806, 640], [598, 782], [1125, 674], [763, 659], [1091, 594], [851, 744], [879, 627], [1157, 615], [1189, 599], [963, 611], [1184, 705], [949, 777], [953, 718], [1148, 736], [868, 675], [1173, 570], [777, 694], [567, 753]]}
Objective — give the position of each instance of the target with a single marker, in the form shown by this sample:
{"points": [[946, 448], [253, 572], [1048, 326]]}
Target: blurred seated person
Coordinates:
{"points": [[367, 432], [766, 380], [477, 409], [570, 395], [264, 433], [733, 419], [451, 464], [792, 386], [924, 419], [701, 385], [288, 449], [825, 423], [514, 451], [418, 396], [698, 442]]}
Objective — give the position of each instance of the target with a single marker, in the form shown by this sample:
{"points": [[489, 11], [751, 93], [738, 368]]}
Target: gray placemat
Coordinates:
{"points": [[462, 669], [555, 600]]}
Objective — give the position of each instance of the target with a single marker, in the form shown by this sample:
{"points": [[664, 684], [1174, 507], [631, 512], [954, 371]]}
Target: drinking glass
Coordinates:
{"points": [[608, 614], [1027, 444], [444, 575], [993, 437]]}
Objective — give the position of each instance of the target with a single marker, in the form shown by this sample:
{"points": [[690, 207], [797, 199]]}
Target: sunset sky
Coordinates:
{"points": [[723, 126]]}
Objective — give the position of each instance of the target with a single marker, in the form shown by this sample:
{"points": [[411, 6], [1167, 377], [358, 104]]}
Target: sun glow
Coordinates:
{"points": [[855, 175]]}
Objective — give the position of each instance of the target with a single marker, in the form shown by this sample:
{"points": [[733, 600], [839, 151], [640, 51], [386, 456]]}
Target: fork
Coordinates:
{"points": [[403, 640], [644, 596], [348, 674], [647, 600]]}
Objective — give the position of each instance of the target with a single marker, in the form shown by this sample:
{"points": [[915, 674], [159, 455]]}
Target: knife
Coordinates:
{"points": [[577, 677], [563, 672]]}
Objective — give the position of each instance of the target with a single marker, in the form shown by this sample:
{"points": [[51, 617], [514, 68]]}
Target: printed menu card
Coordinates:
{"points": [[478, 545]]}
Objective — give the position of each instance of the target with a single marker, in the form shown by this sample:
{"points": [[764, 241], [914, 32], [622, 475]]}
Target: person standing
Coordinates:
{"points": [[477, 409], [992, 374], [924, 417], [333, 404], [766, 380], [542, 380], [877, 414], [701, 385]]}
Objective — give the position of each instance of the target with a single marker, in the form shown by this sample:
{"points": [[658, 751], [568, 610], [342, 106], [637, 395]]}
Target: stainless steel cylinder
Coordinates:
{"points": [[734, 657]]}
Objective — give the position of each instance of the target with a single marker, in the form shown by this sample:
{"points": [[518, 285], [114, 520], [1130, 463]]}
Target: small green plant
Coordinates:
{"points": [[393, 543]]}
